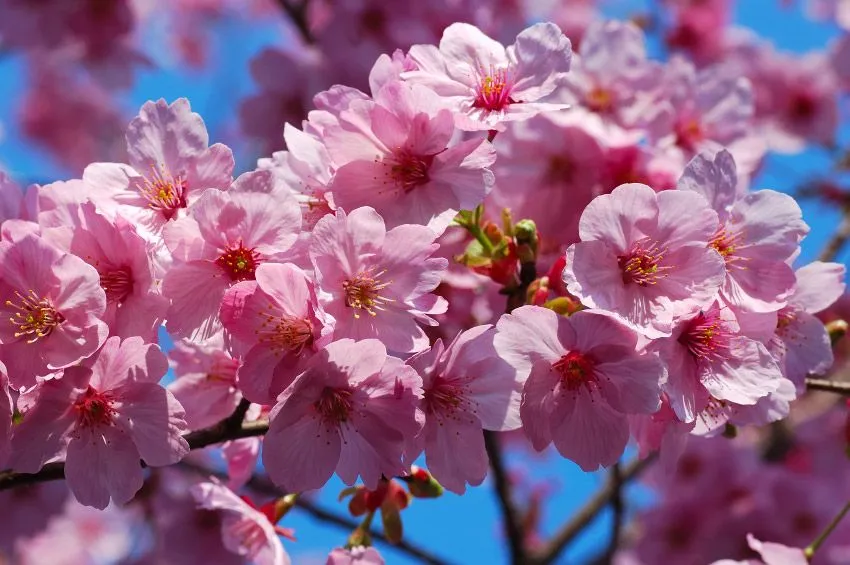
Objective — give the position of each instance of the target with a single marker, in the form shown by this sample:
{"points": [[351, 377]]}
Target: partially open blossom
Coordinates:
{"points": [[52, 308], [222, 241], [353, 410], [466, 387], [107, 415], [170, 165], [645, 256], [759, 233], [585, 376], [245, 530], [377, 283], [394, 154], [206, 381], [487, 83], [276, 323]]}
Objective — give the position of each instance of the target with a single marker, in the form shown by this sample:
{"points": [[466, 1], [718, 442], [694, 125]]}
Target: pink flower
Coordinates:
{"points": [[245, 530], [51, 307], [661, 432], [613, 76], [276, 323], [585, 377], [358, 555], [488, 84], [645, 256], [771, 554], [564, 162], [759, 232], [393, 154], [226, 236], [206, 381], [800, 342], [125, 263], [707, 358], [353, 410], [241, 456], [171, 164], [466, 387], [108, 414], [377, 283], [7, 409]]}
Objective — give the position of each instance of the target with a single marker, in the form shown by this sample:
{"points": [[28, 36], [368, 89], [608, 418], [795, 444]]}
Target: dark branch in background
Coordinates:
{"points": [[230, 428], [297, 13], [618, 505], [502, 485], [838, 240], [828, 386], [517, 298], [581, 519]]}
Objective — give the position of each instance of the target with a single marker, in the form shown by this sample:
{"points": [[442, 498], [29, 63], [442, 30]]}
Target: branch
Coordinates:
{"points": [[581, 519], [828, 386], [502, 485], [838, 240], [619, 507], [297, 14], [228, 429]]}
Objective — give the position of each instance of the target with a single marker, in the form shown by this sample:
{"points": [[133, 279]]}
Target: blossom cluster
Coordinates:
{"points": [[349, 289]]}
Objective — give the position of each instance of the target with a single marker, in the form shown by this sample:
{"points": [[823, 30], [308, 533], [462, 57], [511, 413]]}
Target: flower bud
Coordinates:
{"points": [[836, 329], [422, 484]]}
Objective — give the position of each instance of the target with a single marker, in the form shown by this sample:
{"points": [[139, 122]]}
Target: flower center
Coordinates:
{"points": [[362, 292], [284, 332], [576, 370], [333, 405], [642, 264], [35, 317], [165, 192], [689, 134], [408, 170], [561, 169], [443, 397], [784, 318], [494, 91], [599, 99], [707, 337], [802, 106], [94, 409], [118, 284], [239, 262], [726, 244]]}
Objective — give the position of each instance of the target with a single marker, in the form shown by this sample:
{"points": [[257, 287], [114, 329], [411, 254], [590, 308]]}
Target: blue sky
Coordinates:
{"points": [[462, 529]]}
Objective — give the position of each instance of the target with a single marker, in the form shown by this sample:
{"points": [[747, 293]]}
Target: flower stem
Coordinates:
{"points": [[810, 551]]}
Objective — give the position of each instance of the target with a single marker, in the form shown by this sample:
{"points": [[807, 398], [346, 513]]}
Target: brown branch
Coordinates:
{"points": [[502, 486], [619, 507], [581, 519], [838, 240], [297, 13], [230, 428], [828, 386]]}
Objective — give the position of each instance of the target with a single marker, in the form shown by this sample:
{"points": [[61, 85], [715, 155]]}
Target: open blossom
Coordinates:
{"points": [[800, 342], [107, 414], [584, 377], [170, 165], [353, 410], [394, 155], [708, 361], [276, 323], [377, 283], [358, 555], [645, 256], [466, 387], [245, 530], [759, 233], [51, 307], [124, 261], [487, 83], [222, 241], [206, 381]]}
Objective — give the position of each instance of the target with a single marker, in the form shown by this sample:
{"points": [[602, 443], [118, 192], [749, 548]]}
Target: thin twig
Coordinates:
{"points": [[228, 429], [839, 238], [297, 14], [581, 519], [828, 386], [510, 514], [618, 506]]}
